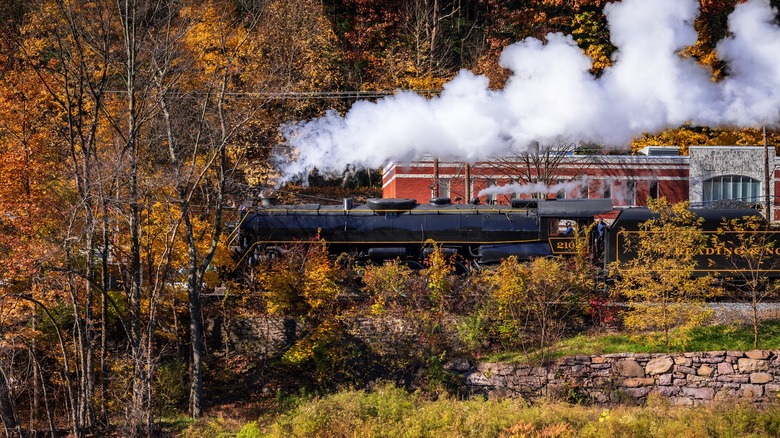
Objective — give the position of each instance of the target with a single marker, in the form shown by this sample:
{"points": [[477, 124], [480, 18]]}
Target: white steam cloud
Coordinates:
{"points": [[551, 97], [533, 188]]}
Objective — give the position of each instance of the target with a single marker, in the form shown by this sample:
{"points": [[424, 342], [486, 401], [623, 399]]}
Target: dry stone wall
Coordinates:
{"points": [[685, 378]]}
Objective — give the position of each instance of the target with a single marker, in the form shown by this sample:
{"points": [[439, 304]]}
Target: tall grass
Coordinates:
{"points": [[392, 412]]}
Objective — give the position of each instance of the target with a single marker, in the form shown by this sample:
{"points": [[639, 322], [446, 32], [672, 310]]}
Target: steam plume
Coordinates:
{"points": [[551, 96], [533, 188]]}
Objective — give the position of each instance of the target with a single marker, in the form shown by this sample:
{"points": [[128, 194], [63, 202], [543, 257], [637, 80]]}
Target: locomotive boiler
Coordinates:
{"points": [[389, 229]]}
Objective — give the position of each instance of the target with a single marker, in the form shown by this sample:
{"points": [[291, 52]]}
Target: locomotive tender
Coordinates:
{"points": [[387, 229], [725, 259]]}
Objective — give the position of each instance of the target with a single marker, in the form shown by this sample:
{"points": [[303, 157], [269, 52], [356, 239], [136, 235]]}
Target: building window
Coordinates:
{"points": [[583, 189], [653, 193], [490, 198], [444, 187], [630, 193], [622, 193], [562, 192], [735, 187], [607, 188]]}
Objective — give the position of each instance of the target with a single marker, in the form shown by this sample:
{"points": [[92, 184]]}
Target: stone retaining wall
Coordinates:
{"points": [[685, 378]]}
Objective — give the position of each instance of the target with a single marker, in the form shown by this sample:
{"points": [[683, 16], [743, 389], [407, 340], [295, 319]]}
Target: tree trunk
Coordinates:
{"points": [[196, 337], [8, 408]]}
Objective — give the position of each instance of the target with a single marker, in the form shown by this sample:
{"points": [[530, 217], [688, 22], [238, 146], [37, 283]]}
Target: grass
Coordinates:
{"points": [[709, 338], [388, 411], [392, 412]]}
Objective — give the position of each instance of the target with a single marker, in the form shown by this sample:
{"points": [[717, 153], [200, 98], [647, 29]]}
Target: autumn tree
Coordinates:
{"points": [[109, 72], [303, 283], [30, 220], [75, 79], [534, 301], [748, 249], [200, 146], [658, 278]]}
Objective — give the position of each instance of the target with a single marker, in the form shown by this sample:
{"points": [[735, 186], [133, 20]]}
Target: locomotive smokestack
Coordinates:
{"points": [[268, 198]]}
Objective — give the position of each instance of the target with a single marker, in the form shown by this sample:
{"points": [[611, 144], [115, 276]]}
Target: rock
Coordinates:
{"points": [[477, 379], [685, 370], [578, 360], [699, 393], [504, 369], [634, 382], [757, 354], [682, 361], [485, 367], [600, 397], [695, 379], [748, 365], [725, 368], [705, 371], [681, 401], [665, 379], [499, 393], [711, 360], [666, 391], [761, 378], [458, 365], [629, 368], [637, 392], [601, 366], [659, 365], [751, 391], [734, 378]]}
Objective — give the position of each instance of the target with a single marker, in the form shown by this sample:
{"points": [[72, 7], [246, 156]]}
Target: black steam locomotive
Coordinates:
{"points": [[389, 229]]}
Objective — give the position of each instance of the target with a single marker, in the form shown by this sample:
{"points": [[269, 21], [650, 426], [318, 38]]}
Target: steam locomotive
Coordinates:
{"points": [[389, 229]]}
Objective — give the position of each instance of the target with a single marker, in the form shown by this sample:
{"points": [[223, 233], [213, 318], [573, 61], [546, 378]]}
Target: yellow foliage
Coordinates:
{"points": [[509, 285], [686, 136], [385, 283], [302, 281], [658, 282], [437, 273], [315, 346]]}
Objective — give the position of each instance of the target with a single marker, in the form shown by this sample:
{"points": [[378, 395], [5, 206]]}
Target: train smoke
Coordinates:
{"points": [[551, 97], [533, 188]]}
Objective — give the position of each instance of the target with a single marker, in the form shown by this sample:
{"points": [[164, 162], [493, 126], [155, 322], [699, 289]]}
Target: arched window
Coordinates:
{"points": [[741, 188]]}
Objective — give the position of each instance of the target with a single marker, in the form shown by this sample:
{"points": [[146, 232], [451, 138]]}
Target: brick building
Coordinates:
{"points": [[705, 175]]}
